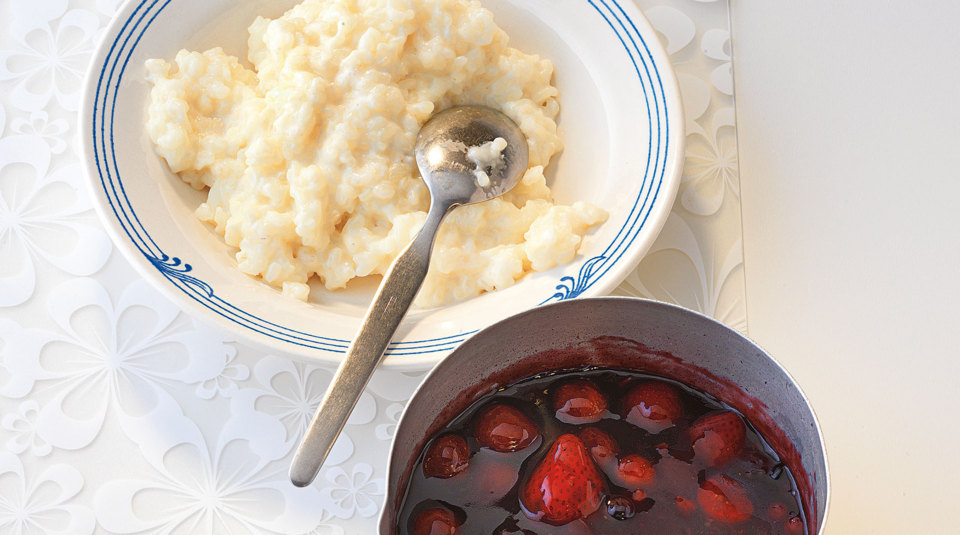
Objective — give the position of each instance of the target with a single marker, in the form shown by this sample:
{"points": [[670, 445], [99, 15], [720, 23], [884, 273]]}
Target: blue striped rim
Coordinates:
{"points": [[590, 272], [659, 151]]}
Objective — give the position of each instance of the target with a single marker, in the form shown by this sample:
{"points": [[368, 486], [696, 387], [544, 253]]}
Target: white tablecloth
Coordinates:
{"points": [[120, 414]]}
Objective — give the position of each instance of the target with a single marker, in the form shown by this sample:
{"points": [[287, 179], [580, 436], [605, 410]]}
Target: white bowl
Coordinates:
{"points": [[621, 121]]}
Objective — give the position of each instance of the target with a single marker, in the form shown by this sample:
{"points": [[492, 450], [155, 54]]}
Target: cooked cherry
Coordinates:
{"points": [[723, 499], [635, 471], [504, 428], [653, 406], [717, 437], [446, 457], [601, 445], [795, 525], [579, 402], [436, 521]]}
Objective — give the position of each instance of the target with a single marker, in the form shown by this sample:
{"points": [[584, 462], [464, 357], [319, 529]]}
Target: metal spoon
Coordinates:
{"points": [[453, 180]]}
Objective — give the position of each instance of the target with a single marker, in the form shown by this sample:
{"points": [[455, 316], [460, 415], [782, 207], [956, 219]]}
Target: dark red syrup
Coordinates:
{"points": [[604, 452]]}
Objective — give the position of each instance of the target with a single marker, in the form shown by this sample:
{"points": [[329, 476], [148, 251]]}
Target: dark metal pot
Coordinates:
{"points": [[625, 333]]}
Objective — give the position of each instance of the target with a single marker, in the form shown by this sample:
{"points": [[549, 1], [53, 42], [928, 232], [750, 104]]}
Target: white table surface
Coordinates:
{"points": [[849, 130]]}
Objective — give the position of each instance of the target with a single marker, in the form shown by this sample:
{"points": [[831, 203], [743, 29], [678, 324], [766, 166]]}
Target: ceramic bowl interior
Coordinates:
{"points": [[622, 126], [624, 333]]}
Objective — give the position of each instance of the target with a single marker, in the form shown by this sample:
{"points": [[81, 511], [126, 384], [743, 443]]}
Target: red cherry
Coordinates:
{"points": [[795, 525], [653, 406], [446, 457], [436, 521], [503, 428], [717, 437], [601, 445], [635, 471], [579, 402], [724, 499]]}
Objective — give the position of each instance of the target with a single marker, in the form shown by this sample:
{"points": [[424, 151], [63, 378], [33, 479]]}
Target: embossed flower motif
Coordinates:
{"points": [[41, 126], [716, 45], [49, 61], [44, 504], [228, 490], [711, 168], [675, 27], [225, 383], [385, 431], [23, 426], [113, 358], [694, 274], [18, 349], [356, 493], [396, 386], [296, 392], [42, 217], [108, 7], [285, 402], [328, 529]]}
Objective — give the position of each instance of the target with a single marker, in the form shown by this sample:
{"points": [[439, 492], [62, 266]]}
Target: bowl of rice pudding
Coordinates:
{"points": [[254, 159]]}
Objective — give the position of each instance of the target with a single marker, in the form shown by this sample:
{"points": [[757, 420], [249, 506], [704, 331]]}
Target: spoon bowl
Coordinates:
{"points": [[466, 154], [442, 152]]}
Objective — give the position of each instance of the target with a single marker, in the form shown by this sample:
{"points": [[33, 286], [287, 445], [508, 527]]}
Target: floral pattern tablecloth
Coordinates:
{"points": [[121, 414]]}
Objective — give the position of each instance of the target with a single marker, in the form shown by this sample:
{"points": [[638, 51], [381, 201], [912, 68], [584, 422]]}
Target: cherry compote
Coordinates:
{"points": [[599, 451]]}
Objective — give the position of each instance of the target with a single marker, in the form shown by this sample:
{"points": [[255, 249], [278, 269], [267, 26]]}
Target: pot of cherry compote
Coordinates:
{"points": [[607, 416]]}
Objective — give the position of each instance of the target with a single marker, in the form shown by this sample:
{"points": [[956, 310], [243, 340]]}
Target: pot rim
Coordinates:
{"points": [[391, 493]]}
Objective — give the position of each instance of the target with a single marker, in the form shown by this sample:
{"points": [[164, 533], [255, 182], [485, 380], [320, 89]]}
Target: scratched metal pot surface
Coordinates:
{"points": [[625, 333]]}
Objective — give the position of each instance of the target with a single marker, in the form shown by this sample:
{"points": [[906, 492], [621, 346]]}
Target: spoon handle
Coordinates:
{"points": [[400, 285]]}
